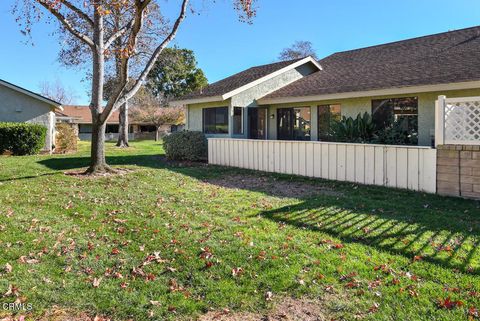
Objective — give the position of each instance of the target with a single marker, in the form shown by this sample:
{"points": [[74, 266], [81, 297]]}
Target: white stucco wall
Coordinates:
{"points": [[19, 107], [352, 107]]}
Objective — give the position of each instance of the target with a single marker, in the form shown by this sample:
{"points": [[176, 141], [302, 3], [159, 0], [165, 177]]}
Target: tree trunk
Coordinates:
{"points": [[156, 133], [98, 163], [123, 127]]}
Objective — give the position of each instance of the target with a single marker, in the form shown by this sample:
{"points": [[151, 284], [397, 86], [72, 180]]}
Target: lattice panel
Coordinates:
{"points": [[462, 121]]}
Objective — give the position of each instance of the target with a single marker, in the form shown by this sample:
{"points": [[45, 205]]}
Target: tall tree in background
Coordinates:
{"points": [[90, 22], [299, 49], [57, 91], [176, 74]]}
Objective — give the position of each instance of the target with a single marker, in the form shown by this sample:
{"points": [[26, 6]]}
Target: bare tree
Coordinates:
{"points": [[90, 22], [57, 91], [299, 49]]}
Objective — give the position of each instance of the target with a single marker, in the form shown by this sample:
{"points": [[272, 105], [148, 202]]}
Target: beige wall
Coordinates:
{"points": [[18, 107], [353, 106]]}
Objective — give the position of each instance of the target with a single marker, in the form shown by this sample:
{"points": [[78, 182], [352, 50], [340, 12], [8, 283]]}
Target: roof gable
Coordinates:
{"points": [[83, 115], [450, 57], [230, 86], [31, 94]]}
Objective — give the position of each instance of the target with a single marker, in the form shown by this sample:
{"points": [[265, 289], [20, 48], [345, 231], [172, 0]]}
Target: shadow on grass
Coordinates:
{"points": [[440, 230], [444, 233]]}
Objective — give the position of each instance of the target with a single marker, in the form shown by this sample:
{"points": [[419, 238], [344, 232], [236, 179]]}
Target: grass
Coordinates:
{"points": [[364, 252]]}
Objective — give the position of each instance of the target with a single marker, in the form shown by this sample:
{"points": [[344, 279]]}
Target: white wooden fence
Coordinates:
{"points": [[409, 167], [457, 121]]}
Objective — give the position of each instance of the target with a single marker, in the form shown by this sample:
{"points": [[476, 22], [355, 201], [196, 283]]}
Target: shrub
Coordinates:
{"points": [[22, 138], [358, 130], [398, 132], [190, 146], [66, 139]]}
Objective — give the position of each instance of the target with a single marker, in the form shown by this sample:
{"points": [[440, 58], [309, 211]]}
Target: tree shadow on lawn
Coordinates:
{"points": [[432, 228]]}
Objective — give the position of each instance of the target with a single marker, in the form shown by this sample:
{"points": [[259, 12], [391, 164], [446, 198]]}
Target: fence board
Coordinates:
{"points": [[394, 166]]}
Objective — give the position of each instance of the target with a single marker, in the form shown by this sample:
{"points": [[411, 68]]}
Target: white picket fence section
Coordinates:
{"points": [[457, 121], [408, 167]]}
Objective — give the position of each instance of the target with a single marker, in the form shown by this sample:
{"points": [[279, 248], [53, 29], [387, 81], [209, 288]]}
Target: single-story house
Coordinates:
{"points": [[18, 104], [80, 118], [295, 100]]}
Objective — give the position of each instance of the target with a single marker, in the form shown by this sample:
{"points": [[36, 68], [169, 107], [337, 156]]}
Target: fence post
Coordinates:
{"points": [[440, 121]]}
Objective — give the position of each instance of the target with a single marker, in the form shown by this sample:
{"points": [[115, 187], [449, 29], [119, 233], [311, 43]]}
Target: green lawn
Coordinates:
{"points": [[173, 241]]}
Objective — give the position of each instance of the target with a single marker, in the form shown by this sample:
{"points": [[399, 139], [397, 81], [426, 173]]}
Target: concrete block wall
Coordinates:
{"points": [[458, 170]]}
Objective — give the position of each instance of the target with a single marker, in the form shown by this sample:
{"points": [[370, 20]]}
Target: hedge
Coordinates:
{"points": [[22, 138], [189, 146]]}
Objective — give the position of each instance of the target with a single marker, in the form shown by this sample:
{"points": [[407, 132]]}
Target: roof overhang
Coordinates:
{"points": [[198, 100], [24, 91], [252, 84], [369, 93]]}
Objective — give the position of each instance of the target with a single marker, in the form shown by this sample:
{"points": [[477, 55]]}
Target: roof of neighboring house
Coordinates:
{"points": [[27, 92], [449, 57], [82, 115], [221, 89]]}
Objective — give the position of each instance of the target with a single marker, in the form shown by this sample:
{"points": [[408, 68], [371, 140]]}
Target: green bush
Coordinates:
{"points": [[22, 138], [358, 130], [65, 139], [189, 146]]}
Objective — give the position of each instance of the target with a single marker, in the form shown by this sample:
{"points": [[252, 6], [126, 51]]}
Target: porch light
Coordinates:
{"points": [[272, 116]]}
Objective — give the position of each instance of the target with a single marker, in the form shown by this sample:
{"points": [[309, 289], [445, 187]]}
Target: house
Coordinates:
{"points": [[295, 100], [18, 104], [80, 118]]}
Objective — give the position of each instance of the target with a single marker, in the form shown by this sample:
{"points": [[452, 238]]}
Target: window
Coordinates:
{"points": [[147, 129], [84, 128], [327, 116], [111, 129], [215, 120], [237, 120], [401, 110]]}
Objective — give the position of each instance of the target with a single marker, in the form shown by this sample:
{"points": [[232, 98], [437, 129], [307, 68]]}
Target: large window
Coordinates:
{"points": [[85, 128], [237, 120], [215, 120], [327, 116], [403, 111], [111, 129]]}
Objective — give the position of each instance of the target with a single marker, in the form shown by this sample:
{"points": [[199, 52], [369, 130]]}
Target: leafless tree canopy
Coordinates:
{"points": [[57, 92], [299, 49]]}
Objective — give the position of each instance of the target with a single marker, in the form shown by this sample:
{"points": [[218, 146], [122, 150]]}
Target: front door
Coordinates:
{"points": [[257, 120], [293, 123]]}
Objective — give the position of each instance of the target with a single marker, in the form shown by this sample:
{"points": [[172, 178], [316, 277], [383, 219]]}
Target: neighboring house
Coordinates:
{"points": [[295, 100], [18, 104], [80, 118]]}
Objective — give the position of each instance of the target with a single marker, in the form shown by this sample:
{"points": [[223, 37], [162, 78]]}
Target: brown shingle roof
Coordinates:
{"points": [[238, 80], [82, 114], [436, 59]]}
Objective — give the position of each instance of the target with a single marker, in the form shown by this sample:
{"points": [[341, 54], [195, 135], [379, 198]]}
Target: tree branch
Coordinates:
{"points": [[79, 12], [120, 32], [67, 24], [114, 104]]}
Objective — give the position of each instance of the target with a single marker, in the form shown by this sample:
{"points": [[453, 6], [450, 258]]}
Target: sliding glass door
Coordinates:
{"points": [[293, 123]]}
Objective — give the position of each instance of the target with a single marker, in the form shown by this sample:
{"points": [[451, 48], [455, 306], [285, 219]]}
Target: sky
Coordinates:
{"points": [[224, 46]]}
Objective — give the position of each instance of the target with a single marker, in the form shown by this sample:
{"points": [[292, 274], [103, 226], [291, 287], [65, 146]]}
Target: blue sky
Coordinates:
{"points": [[223, 45]]}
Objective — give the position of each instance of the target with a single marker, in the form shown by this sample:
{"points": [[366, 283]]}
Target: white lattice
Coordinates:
{"points": [[462, 122]]}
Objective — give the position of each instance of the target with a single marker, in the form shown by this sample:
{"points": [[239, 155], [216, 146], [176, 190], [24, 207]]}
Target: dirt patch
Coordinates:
{"points": [[82, 175], [272, 186], [288, 309]]}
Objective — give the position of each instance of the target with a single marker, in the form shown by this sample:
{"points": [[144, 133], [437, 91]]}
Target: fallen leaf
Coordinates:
{"points": [[96, 282]]}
